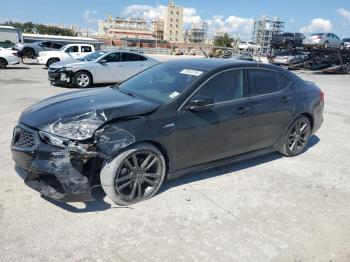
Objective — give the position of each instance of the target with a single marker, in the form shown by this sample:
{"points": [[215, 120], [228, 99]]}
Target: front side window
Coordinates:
{"points": [[263, 81], [72, 49], [225, 86], [112, 58]]}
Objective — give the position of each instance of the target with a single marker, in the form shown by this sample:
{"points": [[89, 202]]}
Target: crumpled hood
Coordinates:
{"points": [[107, 101], [69, 62]]}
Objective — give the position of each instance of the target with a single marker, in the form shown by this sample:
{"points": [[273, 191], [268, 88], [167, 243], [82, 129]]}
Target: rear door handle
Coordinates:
{"points": [[285, 99], [242, 110]]}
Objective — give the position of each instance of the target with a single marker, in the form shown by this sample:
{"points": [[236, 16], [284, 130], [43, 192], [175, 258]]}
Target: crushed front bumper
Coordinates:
{"points": [[60, 77], [57, 173]]}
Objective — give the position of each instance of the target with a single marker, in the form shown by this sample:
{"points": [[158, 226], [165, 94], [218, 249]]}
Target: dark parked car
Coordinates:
{"points": [[31, 50], [171, 119], [289, 40]]}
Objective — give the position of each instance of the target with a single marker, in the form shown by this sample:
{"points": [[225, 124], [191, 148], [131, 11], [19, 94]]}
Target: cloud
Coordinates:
{"points": [[317, 25], [146, 12], [90, 16], [234, 25], [345, 14]]}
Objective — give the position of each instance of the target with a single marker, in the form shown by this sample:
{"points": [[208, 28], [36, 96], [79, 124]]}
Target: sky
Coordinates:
{"points": [[234, 17]]}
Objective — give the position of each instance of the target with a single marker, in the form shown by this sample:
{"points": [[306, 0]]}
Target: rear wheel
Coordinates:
{"points": [[134, 175], [3, 63], [52, 61], [28, 52], [297, 137], [326, 45], [82, 79]]}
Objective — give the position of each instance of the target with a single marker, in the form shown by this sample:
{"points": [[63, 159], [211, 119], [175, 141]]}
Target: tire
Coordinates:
{"points": [[297, 137], [28, 52], [124, 184], [341, 47], [326, 45], [82, 79], [51, 61], [3, 63]]}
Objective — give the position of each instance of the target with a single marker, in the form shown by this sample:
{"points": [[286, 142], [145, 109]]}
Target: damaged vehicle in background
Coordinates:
{"points": [[32, 50], [290, 57], [8, 57], [171, 119], [323, 40], [100, 67]]}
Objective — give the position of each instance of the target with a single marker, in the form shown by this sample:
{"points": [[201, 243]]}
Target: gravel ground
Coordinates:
{"points": [[270, 208]]}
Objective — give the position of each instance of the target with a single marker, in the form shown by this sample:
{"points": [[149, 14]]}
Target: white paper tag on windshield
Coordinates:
{"points": [[174, 94], [191, 72]]}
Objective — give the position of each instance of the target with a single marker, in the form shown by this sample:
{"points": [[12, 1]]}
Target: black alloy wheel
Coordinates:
{"points": [[297, 137], [134, 175]]}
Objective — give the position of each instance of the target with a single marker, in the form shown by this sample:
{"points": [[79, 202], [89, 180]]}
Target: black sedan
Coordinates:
{"points": [[172, 119]]}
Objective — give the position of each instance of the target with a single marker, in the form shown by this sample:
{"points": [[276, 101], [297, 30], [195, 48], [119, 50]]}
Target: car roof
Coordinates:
{"points": [[208, 63]]}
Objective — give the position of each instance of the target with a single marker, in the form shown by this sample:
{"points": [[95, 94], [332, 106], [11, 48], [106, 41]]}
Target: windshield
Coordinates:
{"points": [[162, 83], [93, 56], [318, 34]]}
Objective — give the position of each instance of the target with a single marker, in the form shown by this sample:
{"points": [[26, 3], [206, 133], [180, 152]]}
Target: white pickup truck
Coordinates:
{"points": [[67, 52]]}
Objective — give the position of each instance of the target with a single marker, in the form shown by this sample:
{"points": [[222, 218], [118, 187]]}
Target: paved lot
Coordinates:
{"points": [[271, 208]]}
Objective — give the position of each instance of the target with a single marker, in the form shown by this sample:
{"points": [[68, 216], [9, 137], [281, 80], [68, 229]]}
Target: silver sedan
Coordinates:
{"points": [[325, 40], [100, 67]]}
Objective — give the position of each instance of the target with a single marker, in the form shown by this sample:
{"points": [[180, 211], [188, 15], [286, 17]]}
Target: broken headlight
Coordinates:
{"points": [[80, 127], [53, 140]]}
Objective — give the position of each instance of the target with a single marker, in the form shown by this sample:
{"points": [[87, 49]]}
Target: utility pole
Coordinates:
{"points": [[156, 25]]}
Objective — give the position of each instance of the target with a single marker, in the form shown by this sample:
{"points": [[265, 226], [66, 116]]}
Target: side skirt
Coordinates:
{"points": [[221, 162]]}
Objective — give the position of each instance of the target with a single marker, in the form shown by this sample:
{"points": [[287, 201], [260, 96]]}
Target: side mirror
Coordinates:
{"points": [[103, 61], [200, 104]]}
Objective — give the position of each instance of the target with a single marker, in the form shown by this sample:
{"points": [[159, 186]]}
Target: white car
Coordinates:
{"points": [[67, 52], [8, 57], [100, 67], [248, 46]]}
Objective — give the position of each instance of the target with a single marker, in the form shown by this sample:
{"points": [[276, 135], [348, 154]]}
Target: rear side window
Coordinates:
{"points": [[86, 49], [128, 57], [72, 49], [225, 86], [263, 81], [284, 82]]}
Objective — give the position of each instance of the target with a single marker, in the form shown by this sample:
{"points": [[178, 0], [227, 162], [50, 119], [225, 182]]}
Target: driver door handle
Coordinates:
{"points": [[285, 99], [243, 109]]}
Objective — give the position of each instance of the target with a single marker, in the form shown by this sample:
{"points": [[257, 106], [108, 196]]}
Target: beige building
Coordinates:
{"points": [[173, 23]]}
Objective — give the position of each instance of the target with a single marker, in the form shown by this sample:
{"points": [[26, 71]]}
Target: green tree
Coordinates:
{"points": [[225, 40], [30, 27]]}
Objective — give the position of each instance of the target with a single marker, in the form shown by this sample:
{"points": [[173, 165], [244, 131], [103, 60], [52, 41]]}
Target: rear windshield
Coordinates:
{"points": [[346, 39]]}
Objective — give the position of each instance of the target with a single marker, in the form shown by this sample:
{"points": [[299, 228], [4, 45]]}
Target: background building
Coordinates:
{"points": [[158, 29], [173, 23], [197, 33], [263, 31], [125, 28]]}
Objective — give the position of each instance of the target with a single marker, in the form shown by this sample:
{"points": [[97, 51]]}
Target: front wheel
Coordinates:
{"points": [[341, 47], [82, 80], [326, 45], [297, 137], [134, 175], [52, 61]]}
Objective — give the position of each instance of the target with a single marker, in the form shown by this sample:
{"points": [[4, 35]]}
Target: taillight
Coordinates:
{"points": [[322, 96]]}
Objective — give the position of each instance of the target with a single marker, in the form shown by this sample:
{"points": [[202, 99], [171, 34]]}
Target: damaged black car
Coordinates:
{"points": [[167, 121]]}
